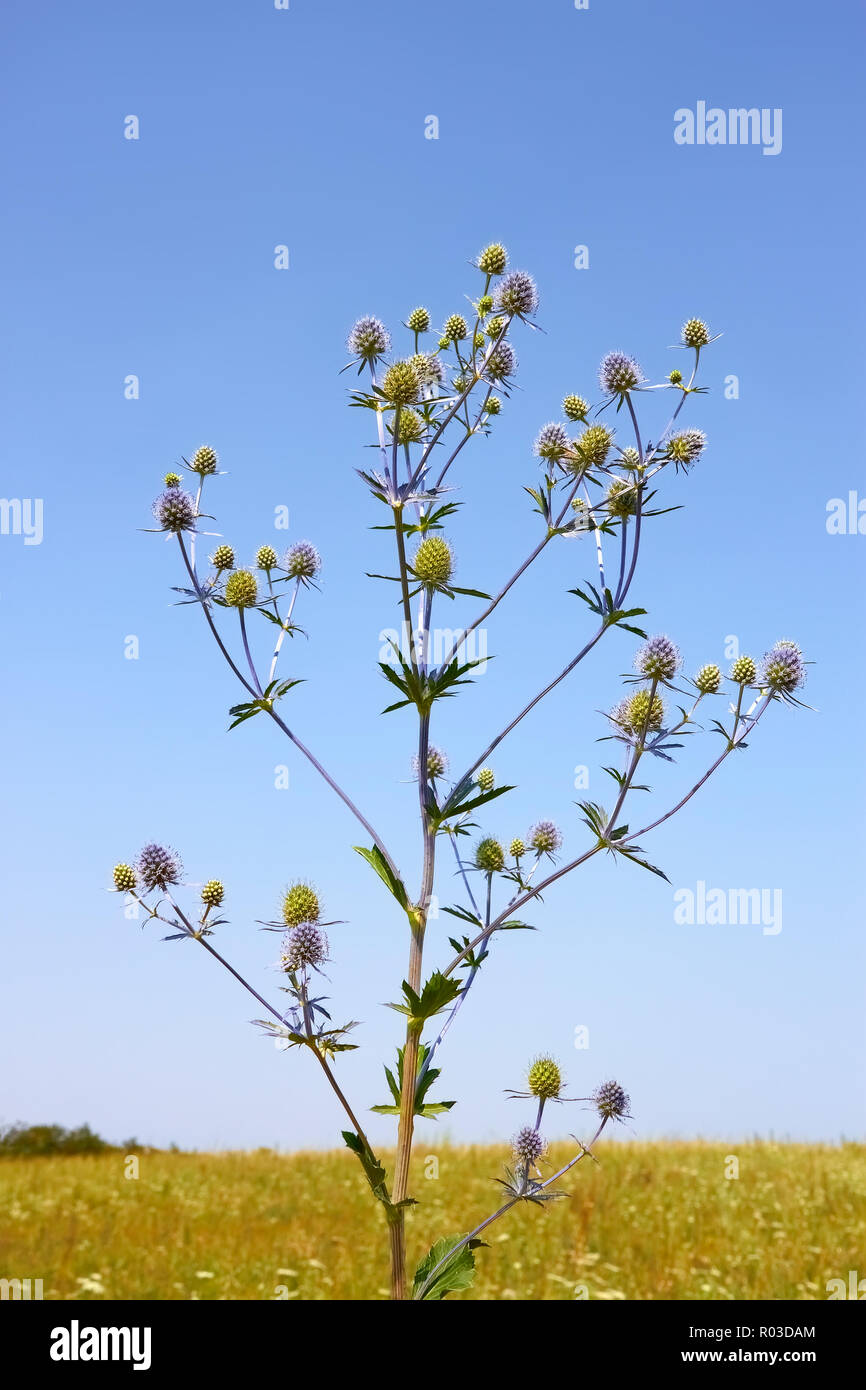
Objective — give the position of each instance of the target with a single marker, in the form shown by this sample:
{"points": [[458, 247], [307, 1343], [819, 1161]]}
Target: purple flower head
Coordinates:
{"points": [[158, 866], [545, 837], [304, 945], [783, 668], [658, 658], [368, 338], [618, 373], [528, 1145], [517, 294], [611, 1101], [502, 362], [552, 442], [437, 763], [302, 560], [175, 510]]}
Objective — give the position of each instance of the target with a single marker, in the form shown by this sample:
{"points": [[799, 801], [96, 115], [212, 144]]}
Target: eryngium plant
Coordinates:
{"points": [[427, 403]]}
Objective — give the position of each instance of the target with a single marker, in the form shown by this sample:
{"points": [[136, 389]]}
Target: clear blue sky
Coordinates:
{"points": [[155, 258]]}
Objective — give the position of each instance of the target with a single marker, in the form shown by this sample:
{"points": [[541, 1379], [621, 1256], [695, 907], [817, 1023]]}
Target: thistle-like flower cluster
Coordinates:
{"points": [[619, 374], [158, 867], [658, 658]]}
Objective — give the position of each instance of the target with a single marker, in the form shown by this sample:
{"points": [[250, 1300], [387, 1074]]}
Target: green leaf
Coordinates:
{"points": [[455, 1275], [395, 886]]}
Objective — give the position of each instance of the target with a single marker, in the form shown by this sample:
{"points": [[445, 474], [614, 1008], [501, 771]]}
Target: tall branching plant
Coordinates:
{"points": [[427, 406]]}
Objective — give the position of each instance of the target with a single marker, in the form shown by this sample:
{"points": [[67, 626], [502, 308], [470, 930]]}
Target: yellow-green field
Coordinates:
{"points": [[649, 1221]]}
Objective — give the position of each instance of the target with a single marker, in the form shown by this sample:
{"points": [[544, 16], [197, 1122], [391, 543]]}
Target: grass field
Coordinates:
{"points": [[649, 1221]]}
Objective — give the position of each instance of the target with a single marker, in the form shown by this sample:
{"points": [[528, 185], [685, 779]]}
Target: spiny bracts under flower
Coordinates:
{"points": [[124, 878], [172, 480], [708, 679], [433, 562], [517, 294], [552, 442], [204, 460], [302, 560], [305, 945], [575, 408], [528, 1146], [456, 328], [489, 856], [400, 384], [783, 668], [687, 446], [592, 447], [213, 893], [545, 837], [368, 338], [485, 779], [223, 558], [158, 866], [610, 1100], [695, 333], [300, 904], [419, 321], [545, 1078], [241, 589], [493, 259], [744, 670], [659, 657], [619, 373], [175, 510]]}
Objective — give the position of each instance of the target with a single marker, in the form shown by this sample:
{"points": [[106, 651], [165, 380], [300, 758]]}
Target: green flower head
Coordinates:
{"points": [[241, 589], [708, 679], [433, 562], [124, 878], [744, 670], [204, 460], [489, 856], [419, 321], [223, 558], [266, 557], [545, 1078], [212, 893], [300, 904], [401, 385], [493, 259]]}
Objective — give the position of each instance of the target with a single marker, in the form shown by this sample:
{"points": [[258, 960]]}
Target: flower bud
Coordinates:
{"points": [[266, 557], [223, 558], [493, 259], [437, 763], [204, 460], [575, 407], [485, 305], [455, 329], [675, 377], [630, 458], [494, 405], [708, 679], [517, 848], [695, 333], [172, 480], [485, 779], [419, 321], [212, 893], [621, 498], [744, 670], [124, 878]]}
